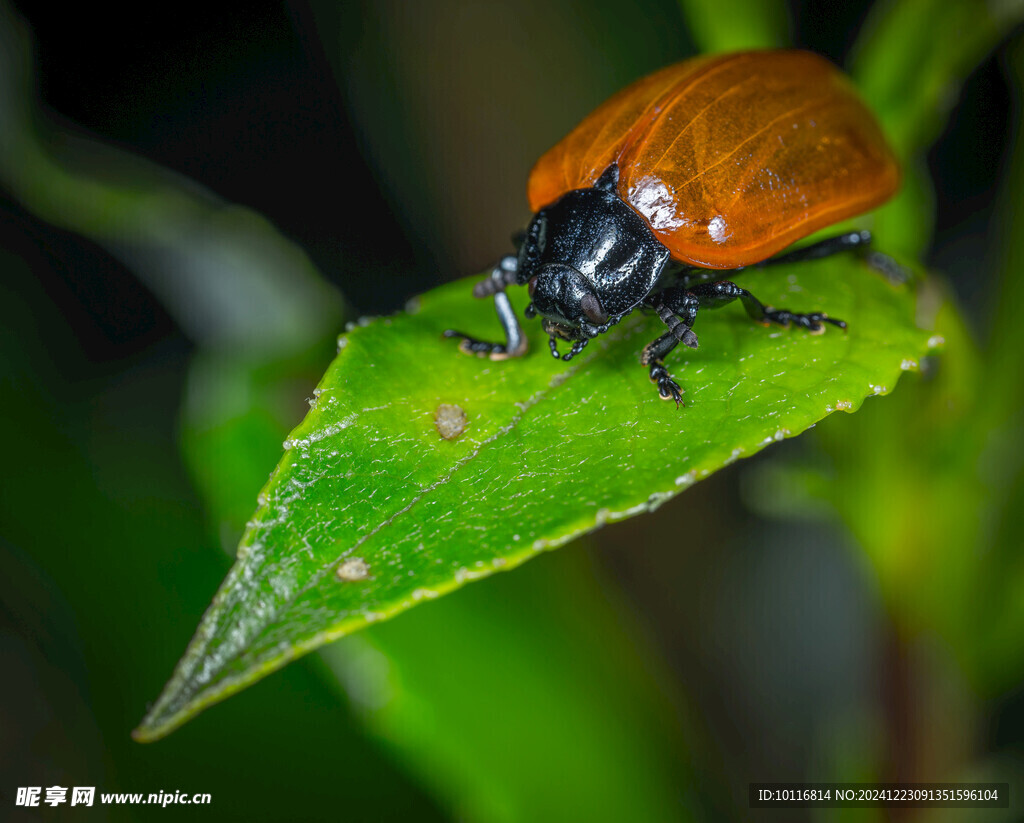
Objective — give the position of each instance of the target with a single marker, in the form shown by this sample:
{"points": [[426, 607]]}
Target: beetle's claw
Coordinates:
{"points": [[481, 348], [812, 321], [668, 389], [818, 319]]}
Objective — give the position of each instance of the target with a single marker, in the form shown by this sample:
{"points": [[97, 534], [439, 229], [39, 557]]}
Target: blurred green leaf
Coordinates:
{"points": [[936, 502], [217, 267], [732, 25], [1003, 379], [492, 697], [910, 61], [911, 83], [371, 511], [924, 502]]}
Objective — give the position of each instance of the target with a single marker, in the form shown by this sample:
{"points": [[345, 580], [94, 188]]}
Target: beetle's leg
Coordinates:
{"points": [[502, 276], [689, 276], [854, 240], [713, 295], [892, 271], [677, 310], [653, 356], [823, 248]]}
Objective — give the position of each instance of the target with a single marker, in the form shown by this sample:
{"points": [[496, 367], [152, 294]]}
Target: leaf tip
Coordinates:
{"points": [[150, 729]]}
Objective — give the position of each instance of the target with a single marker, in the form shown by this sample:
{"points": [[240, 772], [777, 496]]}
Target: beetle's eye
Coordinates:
{"points": [[532, 285], [592, 309]]}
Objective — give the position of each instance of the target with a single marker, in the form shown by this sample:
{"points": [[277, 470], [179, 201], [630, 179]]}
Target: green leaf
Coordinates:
{"points": [[371, 510]]}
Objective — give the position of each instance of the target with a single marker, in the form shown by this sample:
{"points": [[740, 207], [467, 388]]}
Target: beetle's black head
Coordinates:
{"points": [[566, 301], [588, 260]]}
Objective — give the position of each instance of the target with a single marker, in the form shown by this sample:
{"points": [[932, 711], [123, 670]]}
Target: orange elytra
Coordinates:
{"points": [[731, 158]]}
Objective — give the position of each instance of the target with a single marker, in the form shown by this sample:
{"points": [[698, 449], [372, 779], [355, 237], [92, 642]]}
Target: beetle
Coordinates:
{"points": [[702, 169]]}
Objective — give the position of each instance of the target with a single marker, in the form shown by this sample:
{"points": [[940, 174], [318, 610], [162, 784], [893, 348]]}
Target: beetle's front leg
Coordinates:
{"points": [[677, 309], [502, 276]]}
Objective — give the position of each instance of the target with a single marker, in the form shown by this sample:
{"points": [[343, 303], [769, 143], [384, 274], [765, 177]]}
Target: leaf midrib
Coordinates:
{"points": [[213, 688]]}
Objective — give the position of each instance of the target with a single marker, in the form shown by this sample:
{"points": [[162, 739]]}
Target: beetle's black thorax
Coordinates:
{"points": [[601, 237]]}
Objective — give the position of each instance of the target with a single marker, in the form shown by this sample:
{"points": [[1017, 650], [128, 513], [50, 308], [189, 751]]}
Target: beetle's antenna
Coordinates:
{"points": [[553, 345]]}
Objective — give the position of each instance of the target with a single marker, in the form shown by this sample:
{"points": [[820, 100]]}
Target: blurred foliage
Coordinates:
{"points": [[105, 544], [236, 284], [502, 716], [101, 591], [912, 85], [943, 529], [734, 25]]}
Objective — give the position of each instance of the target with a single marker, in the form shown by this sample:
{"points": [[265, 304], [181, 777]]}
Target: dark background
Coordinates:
{"points": [[391, 142], [246, 101]]}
